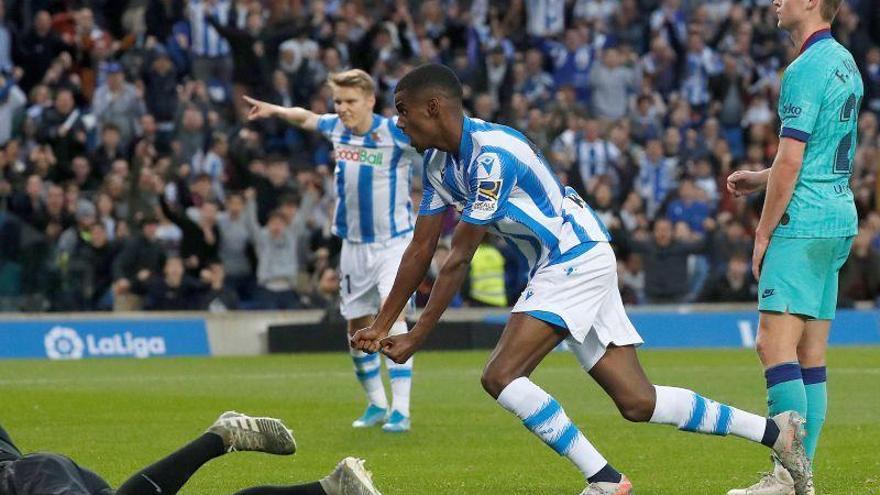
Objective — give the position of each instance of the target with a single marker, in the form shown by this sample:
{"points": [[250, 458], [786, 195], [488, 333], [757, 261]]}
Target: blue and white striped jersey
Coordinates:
{"points": [[501, 180], [373, 179], [545, 17], [205, 41]]}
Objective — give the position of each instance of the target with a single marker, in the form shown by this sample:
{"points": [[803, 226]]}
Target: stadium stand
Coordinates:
{"points": [[127, 171]]}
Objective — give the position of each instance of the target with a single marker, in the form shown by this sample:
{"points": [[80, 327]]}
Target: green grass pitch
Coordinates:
{"points": [[116, 416]]}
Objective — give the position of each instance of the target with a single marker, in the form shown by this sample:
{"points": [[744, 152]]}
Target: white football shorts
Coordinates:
{"points": [[582, 296], [366, 274]]}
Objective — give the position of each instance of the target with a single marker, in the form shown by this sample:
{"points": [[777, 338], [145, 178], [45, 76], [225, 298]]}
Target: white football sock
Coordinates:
{"points": [[400, 375], [544, 417], [368, 368], [690, 411]]}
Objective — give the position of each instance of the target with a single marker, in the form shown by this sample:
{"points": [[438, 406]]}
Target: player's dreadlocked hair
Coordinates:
{"points": [[433, 76]]}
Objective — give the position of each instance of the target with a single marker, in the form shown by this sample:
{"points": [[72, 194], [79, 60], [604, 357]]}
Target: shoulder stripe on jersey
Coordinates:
{"points": [[527, 180], [481, 126]]}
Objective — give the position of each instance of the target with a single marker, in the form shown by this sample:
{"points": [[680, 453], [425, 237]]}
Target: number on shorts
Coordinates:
{"points": [[348, 283]]}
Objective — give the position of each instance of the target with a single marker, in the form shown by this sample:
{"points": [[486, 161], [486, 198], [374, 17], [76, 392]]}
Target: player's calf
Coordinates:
{"points": [[637, 407], [495, 380]]}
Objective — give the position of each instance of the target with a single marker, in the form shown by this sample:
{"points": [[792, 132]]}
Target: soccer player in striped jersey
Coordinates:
{"points": [[374, 219], [501, 184], [808, 223]]}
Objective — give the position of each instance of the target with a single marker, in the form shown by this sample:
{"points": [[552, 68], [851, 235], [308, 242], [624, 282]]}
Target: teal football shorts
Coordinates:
{"points": [[799, 276]]}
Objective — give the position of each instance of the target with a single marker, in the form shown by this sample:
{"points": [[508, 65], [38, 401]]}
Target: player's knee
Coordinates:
{"points": [[495, 380], [811, 356], [638, 407], [765, 349]]}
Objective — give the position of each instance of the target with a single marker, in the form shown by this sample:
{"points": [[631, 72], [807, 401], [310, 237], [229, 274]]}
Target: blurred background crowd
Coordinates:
{"points": [[129, 177]]}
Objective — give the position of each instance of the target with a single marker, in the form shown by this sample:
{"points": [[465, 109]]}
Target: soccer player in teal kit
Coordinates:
{"points": [[808, 222]]}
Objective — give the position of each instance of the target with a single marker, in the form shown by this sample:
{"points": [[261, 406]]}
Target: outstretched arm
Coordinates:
{"points": [[297, 116], [412, 270]]}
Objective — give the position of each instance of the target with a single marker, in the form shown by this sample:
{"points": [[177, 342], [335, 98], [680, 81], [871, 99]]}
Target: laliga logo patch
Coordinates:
{"points": [[487, 195], [489, 190], [63, 343]]}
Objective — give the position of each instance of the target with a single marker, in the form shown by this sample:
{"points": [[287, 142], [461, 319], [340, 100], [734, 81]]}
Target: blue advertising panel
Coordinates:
{"points": [[86, 338], [735, 328]]}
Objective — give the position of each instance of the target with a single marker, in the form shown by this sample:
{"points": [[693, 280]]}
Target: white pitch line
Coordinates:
{"points": [[344, 374]]}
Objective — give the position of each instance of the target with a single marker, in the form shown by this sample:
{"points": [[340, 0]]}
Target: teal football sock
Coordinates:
{"points": [[817, 405], [785, 389]]}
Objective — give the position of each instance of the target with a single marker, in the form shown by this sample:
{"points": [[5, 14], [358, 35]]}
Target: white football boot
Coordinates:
{"points": [[625, 487], [244, 433], [789, 449], [777, 482], [349, 478]]}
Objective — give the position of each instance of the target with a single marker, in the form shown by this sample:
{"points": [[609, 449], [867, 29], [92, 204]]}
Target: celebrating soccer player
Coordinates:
{"points": [[808, 223], [373, 159], [501, 184]]}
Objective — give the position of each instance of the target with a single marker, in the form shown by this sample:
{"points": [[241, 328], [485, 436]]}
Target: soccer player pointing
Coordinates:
{"points": [[501, 184], [373, 163], [808, 222]]}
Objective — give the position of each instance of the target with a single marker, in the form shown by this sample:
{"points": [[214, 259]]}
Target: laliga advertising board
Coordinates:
{"points": [[85, 338]]}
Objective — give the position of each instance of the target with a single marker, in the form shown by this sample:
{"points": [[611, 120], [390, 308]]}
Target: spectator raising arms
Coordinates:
{"points": [[643, 107]]}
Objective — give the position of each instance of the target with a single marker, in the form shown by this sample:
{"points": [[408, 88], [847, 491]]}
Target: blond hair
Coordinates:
{"points": [[829, 9], [354, 78]]}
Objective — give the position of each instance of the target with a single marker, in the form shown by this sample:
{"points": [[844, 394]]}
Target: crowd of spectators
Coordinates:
{"points": [[130, 179]]}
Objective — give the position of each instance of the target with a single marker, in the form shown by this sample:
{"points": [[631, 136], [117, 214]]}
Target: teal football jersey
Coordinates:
{"points": [[819, 105]]}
